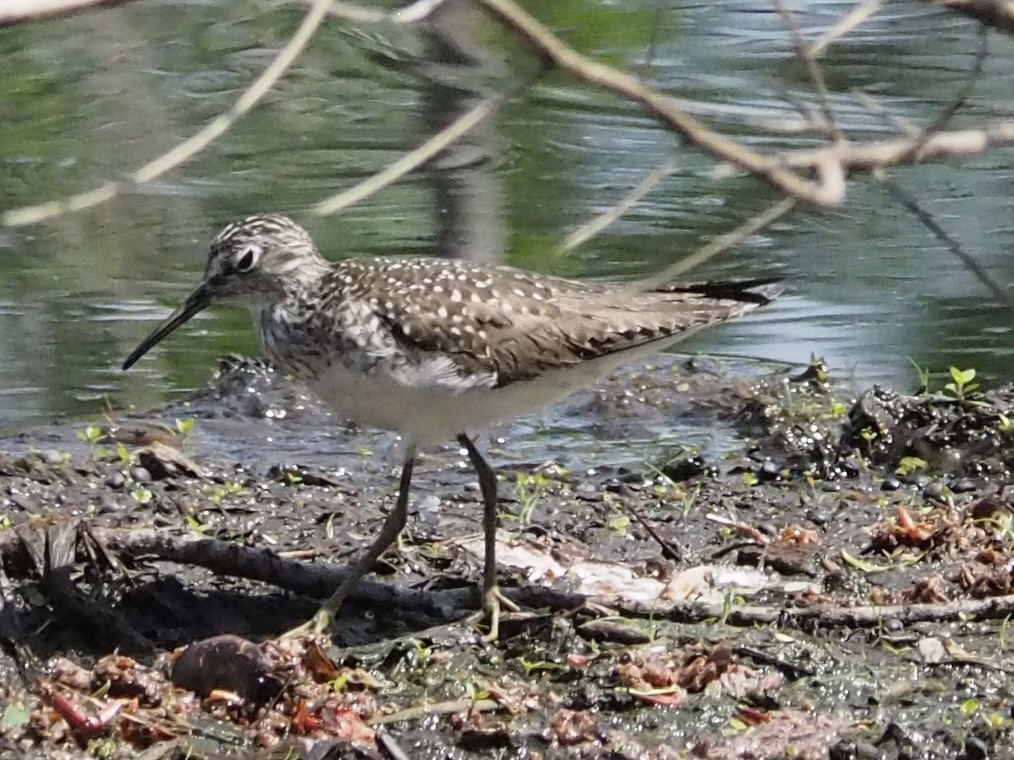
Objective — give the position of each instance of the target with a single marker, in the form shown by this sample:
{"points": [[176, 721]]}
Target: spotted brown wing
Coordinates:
{"points": [[517, 325]]}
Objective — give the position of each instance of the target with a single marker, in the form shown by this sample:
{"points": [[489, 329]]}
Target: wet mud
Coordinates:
{"points": [[710, 564]]}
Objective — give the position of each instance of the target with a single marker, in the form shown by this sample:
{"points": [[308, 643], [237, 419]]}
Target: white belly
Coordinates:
{"points": [[427, 415]]}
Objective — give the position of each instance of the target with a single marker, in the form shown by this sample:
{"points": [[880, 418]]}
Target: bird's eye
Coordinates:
{"points": [[247, 257]]}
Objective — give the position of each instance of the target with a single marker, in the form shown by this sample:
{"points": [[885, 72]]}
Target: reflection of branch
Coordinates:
{"points": [[188, 148], [828, 190], [416, 158]]}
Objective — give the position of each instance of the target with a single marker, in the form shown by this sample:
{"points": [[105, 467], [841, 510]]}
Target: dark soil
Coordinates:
{"points": [[832, 576]]}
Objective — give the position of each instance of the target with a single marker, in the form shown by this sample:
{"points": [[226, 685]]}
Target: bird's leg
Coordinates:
{"points": [[491, 596], [388, 535]]}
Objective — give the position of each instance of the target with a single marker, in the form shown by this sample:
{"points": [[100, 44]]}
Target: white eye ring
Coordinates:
{"points": [[247, 257]]}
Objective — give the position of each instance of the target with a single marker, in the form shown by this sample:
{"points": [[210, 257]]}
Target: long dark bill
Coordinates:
{"points": [[197, 301]]}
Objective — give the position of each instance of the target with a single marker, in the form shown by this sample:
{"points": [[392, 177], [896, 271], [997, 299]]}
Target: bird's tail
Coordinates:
{"points": [[759, 291]]}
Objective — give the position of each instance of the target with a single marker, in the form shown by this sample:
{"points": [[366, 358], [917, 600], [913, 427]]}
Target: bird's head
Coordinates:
{"points": [[256, 260]]}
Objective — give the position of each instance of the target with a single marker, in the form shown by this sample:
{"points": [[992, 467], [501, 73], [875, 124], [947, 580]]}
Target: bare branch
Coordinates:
{"points": [[410, 14], [190, 147], [416, 158], [19, 11], [827, 190], [721, 243], [594, 226], [805, 53]]}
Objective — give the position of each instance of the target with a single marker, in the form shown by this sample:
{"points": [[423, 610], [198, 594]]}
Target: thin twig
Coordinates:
{"points": [[18, 11], [850, 21], [410, 14], [190, 147], [594, 226], [1002, 296], [959, 99], [804, 51], [434, 708], [721, 243], [416, 158]]}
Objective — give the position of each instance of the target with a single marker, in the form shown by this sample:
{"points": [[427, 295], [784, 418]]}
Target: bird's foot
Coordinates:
{"points": [[492, 601], [312, 627]]}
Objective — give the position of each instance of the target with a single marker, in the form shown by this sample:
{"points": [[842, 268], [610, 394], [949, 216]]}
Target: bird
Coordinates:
{"points": [[437, 349]]}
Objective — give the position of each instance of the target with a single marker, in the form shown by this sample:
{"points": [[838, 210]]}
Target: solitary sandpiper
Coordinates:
{"points": [[435, 349]]}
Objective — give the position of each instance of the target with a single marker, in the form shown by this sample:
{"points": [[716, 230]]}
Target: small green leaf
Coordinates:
{"points": [[15, 716], [620, 523], [969, 706]]}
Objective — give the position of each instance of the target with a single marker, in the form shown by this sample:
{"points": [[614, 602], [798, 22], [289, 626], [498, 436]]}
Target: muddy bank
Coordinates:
{"points": [[828, 572]]}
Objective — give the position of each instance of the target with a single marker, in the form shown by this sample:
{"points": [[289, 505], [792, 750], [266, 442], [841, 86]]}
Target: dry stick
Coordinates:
{"points": [[263, 565], [828, 190], [1002, 295], [410, 14], [881, 154], [18, 11], [416, 158], [813, 71], [435, 708], [190, 147], [597, 224], [721, 243]]}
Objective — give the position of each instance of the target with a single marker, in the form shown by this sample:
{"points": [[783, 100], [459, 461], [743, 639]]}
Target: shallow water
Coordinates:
{"points": [[89, 98]]}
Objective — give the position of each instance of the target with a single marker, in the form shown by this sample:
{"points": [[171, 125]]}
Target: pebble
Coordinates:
{"points": [[819, 518], [890, 484], [964, 485], [140, 474], [51, 456], [934, 490], [769, 470], [107, 505], [116, 480], [893, 625]]}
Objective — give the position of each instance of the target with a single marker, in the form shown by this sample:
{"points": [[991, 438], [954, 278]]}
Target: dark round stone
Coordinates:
{"points": [[116, 480], [769, 470], [819, 518], [140, 474], [965, 485], [934, 490], [890, 484], [893, 625]]}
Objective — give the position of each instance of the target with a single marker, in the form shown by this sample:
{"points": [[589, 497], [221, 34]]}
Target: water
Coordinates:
{"points": [[89, 98]]}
